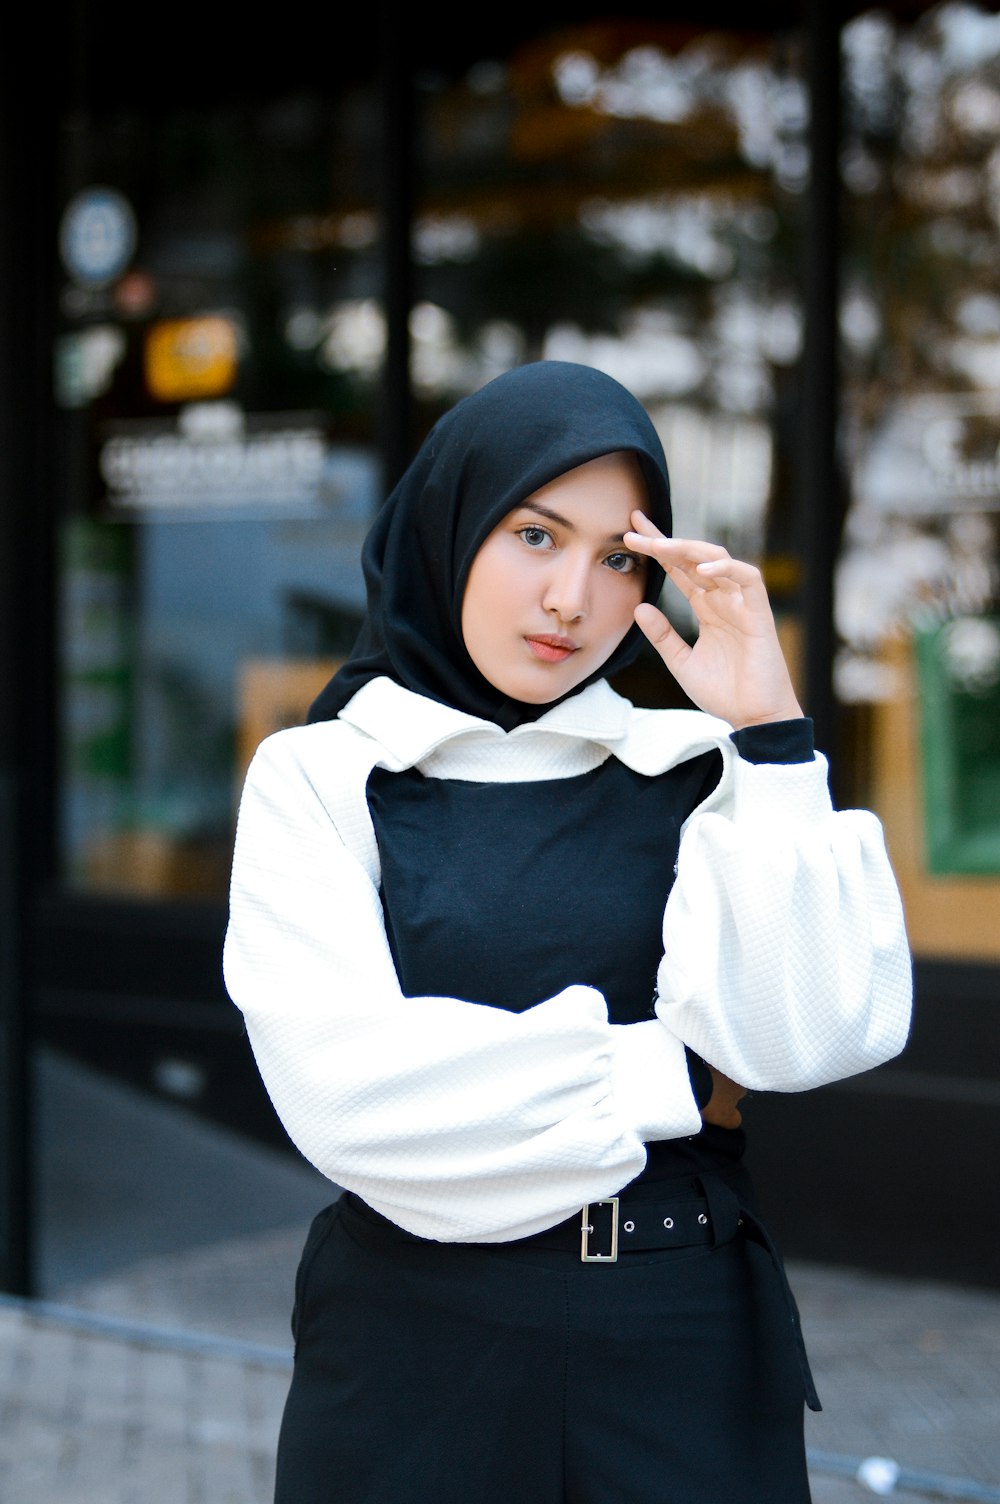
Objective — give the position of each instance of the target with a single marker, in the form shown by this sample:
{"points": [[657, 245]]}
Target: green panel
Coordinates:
{"points": [[958, 668]]}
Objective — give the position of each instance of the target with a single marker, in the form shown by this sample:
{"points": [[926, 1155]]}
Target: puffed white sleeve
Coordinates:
{"points": [[785, 962], [456, 1120]]}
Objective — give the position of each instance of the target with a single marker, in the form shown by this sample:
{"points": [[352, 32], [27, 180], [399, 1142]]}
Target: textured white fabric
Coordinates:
{"points": [[807, 978], [785, 965]]}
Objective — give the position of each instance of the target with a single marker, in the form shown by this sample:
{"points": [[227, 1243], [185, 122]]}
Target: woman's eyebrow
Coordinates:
{"points": [[543, 511]]}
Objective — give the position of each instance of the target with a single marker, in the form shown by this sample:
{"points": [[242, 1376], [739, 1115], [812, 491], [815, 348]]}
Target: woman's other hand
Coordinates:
{"points": [[736, 669], [721, 1109]]}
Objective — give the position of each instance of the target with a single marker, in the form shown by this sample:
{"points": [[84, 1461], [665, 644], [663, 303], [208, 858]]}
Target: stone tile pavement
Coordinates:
{"points": [[101, 1417], [908, 1370], [155, 1374]]}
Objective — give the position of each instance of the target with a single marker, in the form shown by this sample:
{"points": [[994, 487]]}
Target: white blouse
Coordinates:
{"points": [[785, 966]]}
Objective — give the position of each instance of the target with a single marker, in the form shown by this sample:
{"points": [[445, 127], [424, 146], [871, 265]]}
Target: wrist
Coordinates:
{"points": [[791, 712]]}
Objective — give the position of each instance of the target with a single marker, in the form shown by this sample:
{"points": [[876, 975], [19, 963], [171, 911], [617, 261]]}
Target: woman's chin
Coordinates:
{"points": [[542, 687]]}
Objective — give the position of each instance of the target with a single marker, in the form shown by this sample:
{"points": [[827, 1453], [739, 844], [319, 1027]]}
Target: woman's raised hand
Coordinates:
{"points": [[736, 669]]}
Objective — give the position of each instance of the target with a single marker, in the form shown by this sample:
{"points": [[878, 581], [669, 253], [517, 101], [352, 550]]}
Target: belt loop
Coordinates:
{"points": [[723, 1208]]}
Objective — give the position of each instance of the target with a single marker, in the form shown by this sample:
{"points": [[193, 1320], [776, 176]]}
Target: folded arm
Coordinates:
{"points": [[785, 963], [456, 1120]]}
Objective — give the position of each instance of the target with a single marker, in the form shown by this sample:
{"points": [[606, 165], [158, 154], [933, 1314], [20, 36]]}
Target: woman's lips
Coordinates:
{"points": [[551, 649]]}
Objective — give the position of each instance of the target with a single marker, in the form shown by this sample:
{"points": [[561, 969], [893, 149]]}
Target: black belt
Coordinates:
{"points": [[603, 1230]]}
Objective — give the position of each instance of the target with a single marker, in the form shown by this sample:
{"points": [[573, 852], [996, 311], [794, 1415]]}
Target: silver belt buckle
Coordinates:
{"points": [[587, 1227]]}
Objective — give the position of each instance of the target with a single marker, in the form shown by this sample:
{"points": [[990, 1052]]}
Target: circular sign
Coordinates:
{"points": [[97, 236]]}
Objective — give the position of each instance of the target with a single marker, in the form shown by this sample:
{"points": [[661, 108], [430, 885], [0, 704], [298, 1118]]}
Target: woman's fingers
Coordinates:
{"points": [[694, 565], [698, 560], [646, 538], [701, 560], [721, 1108], [730, 573], [668, 643], [735, 668], [685, 579]]}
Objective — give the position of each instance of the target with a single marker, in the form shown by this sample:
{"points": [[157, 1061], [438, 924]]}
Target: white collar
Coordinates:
{"points": [[410, 727]]}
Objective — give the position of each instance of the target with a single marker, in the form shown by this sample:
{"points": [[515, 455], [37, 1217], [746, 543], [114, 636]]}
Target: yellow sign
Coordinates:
{"points": [[187, 359]]}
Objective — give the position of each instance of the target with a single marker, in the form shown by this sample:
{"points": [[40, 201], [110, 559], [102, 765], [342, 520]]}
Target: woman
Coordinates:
{"points": [[510, 951]]}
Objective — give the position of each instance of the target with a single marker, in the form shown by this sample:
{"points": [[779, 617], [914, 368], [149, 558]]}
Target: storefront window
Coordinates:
{"points": [[917, 607], [630, 195], [215, 373]]}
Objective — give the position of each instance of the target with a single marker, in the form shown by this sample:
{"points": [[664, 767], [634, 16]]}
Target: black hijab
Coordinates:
{"points": [[480, 461]]}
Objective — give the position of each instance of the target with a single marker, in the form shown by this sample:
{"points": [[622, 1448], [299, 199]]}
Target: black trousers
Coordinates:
{"points": [[430, 1373]]}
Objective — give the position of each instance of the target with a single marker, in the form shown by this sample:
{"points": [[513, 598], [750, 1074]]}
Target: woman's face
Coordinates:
{"points": [[552, 591]]}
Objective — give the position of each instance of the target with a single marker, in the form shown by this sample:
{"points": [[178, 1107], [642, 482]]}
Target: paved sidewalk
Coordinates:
{"points": [[908, 1370], [111, 1418], [156, 1375]]}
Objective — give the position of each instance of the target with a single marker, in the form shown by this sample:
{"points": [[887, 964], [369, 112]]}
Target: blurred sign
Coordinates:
{"points": [[933, 453], [85, 363], [191, 359], [97, 236], [214, 459]]}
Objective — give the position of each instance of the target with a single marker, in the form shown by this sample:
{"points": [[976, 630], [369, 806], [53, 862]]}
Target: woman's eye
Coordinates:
{"points": [[534, 537], [622, 563]]}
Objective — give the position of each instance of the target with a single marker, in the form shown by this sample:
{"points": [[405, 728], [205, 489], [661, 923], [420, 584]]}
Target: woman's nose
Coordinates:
{"points": [[566, 595]]}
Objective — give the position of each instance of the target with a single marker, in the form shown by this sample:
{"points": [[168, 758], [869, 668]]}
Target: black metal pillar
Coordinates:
{"points": [[396, 206], [26, 252], [821, 501], [15, 1093]]}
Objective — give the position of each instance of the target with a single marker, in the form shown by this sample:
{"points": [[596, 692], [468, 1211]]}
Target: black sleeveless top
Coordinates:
{"points": [[505, 893]]}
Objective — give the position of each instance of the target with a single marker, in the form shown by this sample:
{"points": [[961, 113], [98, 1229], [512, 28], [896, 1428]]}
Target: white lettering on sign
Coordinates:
{"points": [[944, 440], [929, 454], [173, 470]]}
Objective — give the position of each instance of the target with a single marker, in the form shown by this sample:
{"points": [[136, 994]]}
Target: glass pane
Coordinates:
{"points": [[919, 666], [220, 339], [628, 195]]}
